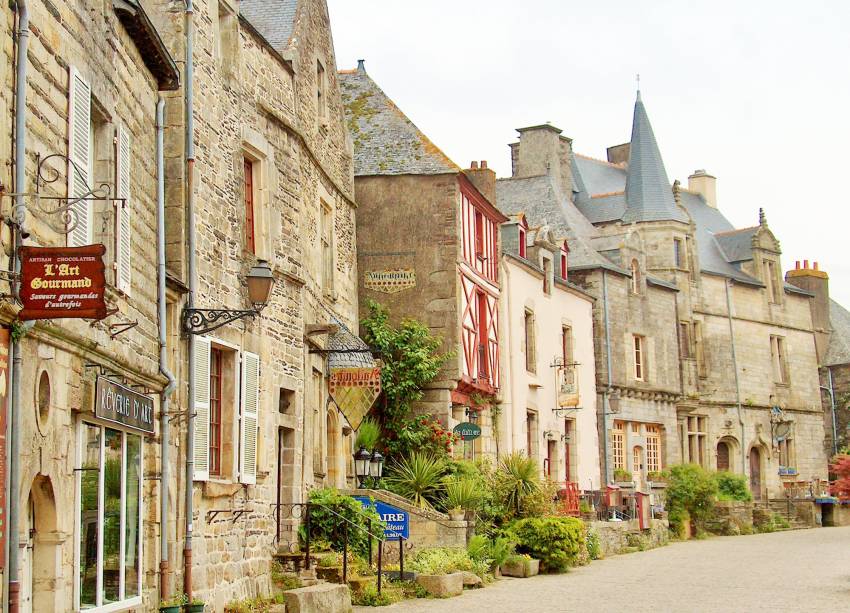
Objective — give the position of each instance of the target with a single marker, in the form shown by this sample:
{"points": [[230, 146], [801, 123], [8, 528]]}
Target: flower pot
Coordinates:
{"points": [[457, 514], [170, 608], [194, 608]]}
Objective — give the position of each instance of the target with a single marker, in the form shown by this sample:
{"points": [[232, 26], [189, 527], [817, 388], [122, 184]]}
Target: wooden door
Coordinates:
{"points": [[755, 473], [722, 456]]}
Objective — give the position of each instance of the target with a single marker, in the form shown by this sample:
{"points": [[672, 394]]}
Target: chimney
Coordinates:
{"points": [[704, 184], [361, 65], [815, 281], [483, 179], [619, 154], [542, 150]]}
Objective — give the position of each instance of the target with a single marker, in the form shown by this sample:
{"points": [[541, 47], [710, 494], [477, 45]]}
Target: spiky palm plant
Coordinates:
{"points": [[518, 477], [418, 477]]}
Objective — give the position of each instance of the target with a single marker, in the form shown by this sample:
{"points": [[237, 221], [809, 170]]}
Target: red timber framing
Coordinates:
{"points": [[479, 284]]}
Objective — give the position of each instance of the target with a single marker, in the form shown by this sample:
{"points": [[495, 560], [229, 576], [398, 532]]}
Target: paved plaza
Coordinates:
{"points": [[802, 570]]}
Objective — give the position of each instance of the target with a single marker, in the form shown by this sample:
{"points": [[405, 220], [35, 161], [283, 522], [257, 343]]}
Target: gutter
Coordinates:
{"points": [[163, 361]]}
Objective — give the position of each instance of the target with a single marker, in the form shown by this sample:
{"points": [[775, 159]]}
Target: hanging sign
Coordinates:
{"points": [[117, 403], [568, 396], [4, 386], [396, 520], [62, 282], [354, 390], [467, 431], [390, 281]]}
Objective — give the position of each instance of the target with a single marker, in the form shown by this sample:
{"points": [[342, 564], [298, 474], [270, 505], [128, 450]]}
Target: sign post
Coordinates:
{"points": [[397, 521]]}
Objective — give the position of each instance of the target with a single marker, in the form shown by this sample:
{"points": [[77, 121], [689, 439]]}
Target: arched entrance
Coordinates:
{"points": [[723, 455], [40, 570], [755, 473]]}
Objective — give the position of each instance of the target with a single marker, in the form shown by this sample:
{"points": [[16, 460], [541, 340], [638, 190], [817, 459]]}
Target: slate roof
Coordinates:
{"points": [[648, 193], [838, 350], [737, 244], [345, 339], [386, 141], [273, 19]]}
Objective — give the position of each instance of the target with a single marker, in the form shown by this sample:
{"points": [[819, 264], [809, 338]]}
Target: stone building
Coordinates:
{"points": [[548, 366], [273, 187], [89, 490], [832, 337], [703, 353], [428, 238]]}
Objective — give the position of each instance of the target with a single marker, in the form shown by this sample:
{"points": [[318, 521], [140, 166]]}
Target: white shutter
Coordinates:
{"points": [[201, 381], [79, 154], [122, 184], [249, 422]]}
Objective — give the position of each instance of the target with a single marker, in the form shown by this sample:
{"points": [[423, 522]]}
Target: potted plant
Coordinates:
{"points": [[621, 475], [196, 605], [520, 565], [172, 604], [461, 495]]}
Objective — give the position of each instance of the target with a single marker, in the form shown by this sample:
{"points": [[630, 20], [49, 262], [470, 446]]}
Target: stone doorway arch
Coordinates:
{"points": [[727, 454], [41, 566]]}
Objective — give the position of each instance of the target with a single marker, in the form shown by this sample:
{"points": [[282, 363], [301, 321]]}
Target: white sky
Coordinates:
{"points": [[756, 92]]}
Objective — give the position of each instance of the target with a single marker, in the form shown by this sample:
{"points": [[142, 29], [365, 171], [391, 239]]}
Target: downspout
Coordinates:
{"points": [[193, 288], [737, 382], [14, 585], [606, 405], [163, 361], [832, 406], [507, 289]]}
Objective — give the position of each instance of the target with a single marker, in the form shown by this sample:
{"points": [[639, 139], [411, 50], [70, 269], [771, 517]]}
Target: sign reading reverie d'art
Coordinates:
{"points": [[354, 390], [62, 282], [390, 281], [117, 403]]}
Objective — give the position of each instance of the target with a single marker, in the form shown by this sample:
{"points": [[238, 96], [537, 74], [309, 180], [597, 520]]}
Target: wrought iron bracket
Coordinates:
{"points": [[201, 321], [237, 513], [120, 328]]}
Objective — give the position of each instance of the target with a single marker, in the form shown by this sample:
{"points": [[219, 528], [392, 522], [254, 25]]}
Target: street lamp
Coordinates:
{"points": [[376, 466], [362, 460], [259, 282]]}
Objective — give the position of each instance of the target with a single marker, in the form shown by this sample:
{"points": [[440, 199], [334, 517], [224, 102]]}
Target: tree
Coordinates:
{"points": [[841, 467]]}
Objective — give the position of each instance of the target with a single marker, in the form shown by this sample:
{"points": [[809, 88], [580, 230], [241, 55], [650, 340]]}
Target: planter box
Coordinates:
{"points": [[193, 608], [526, 568], [358, 584], [171, 609], [442, 586], [331, 574]]}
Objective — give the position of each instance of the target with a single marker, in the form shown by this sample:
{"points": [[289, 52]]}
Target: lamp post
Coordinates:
{"points": [[362, 469], [259, 282], [376, 467]]}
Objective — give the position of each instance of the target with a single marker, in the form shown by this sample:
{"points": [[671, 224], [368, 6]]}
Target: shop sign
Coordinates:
{"points": [[568, 396], [467, 431], [390, 281], [396, 520], [62, 282], [122, 405], [354, 390], [4, 386]]}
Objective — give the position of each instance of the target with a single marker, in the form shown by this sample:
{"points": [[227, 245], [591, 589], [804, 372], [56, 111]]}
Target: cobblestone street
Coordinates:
{"points": [[803, 570]]}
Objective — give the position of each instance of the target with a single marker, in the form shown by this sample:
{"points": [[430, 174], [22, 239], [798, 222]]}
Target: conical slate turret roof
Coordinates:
{"points": [[648, 193]]}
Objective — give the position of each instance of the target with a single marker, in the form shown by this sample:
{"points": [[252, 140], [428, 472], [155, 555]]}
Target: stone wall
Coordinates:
{"points": [[626, 536], [731, 518]]}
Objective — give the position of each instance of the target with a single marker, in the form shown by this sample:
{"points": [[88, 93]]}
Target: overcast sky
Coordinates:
{"points": [[755, 92]]}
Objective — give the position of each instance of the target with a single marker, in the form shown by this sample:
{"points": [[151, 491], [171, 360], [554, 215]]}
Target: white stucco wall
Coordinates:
{"points": [[522, 288]]}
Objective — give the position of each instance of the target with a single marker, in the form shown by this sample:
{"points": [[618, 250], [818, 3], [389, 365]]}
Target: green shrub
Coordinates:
{"points": [[594, 548], [493, 552], [584, 507], [445, 560], [418, 477], [558, 542], [732, 487], [368, 434], [621, 474], [370, 597], [491, 511], [326, 524], [541, 502], [516, 479], [692, 490], [462, 493]]}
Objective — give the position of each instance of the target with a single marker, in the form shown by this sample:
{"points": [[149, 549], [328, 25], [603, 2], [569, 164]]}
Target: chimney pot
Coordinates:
{"points": [[361, 65], [816, 266], [483, 164], [473, 165], [797, 265], [805, 264]]}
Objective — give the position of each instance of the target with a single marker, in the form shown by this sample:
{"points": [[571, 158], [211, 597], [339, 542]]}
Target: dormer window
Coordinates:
{"points": [[564, 250], [772, 281], [521, 242], [635, 268]]}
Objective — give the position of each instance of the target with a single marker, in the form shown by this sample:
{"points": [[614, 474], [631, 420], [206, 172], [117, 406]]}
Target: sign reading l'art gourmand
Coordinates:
{"points": [[62, 282]]}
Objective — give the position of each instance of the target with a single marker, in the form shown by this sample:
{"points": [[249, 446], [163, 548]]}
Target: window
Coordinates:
{"points": [[227, 388], [110, 516], [678, 253], [685, 345], [640, 357], [479, 234], [531, 433], [723, 456], [563, 264], [522, 246], [617, 445], [248, 188], [317, 390], [635, 281], [696, 437], [637, 459], [547, 275], [321, 95], [635, 428], [653, 448], [699, 346], [786, 456], [483, 337], [772, 281], [226, 37], [779, 358], [530, 358], [327, 254]]}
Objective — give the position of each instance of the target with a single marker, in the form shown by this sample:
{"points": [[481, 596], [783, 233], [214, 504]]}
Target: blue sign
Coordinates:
{"points": [[396, 520]]}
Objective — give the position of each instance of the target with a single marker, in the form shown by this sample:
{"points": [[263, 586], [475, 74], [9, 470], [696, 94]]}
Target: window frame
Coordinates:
{"points": [[779, 359], [530, 341], [678, 253], [635, 281], [618, 445], [326, 247], [696, 431], [652, 449], [523, 248], [249, 190], [216, 384], [639, 357]]}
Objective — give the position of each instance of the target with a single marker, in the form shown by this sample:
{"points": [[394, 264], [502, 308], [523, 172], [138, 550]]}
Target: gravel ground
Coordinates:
{"points": [[800, 570]]}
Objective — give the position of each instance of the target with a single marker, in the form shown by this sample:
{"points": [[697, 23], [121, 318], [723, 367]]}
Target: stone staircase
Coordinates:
{"points": [[780, 507]]}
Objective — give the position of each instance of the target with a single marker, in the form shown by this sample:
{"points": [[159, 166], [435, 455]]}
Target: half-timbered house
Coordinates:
{"points": [[428, 247]]}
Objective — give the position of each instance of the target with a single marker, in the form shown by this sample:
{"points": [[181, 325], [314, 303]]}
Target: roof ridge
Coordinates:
{"points": [[606, 194], [735, 231], [600, 160]]}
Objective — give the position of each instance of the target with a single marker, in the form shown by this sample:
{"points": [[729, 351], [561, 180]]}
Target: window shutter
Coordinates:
{"points": [[250, 417], [201, 380], [79, 154], [122, 184]]}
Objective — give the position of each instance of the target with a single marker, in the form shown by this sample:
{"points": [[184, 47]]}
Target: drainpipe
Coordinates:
{"points": [[832, 406], [193, 288], [14, 585], [606, 405], [163, 362], [507, 289], [737, 382]]}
